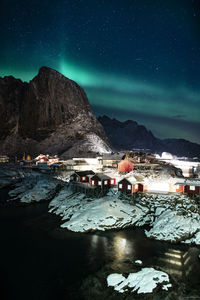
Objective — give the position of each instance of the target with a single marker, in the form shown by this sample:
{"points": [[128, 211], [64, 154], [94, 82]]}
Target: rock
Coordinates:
{"points": [[50, 114], [35, 189], [101, 214], [142, 282], [170, 226]]}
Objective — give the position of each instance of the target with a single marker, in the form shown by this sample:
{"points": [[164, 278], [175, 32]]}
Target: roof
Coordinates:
{"points": [[191, 182], [70, 162], [84, 173], [102, 176], [131, 180], [114, 156]]}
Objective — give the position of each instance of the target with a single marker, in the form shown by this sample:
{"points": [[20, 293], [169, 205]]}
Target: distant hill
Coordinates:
{"points": [[129, 135]]}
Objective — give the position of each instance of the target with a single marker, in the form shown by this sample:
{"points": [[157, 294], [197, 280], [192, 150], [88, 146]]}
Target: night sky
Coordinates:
{"points": [[136, 59]]}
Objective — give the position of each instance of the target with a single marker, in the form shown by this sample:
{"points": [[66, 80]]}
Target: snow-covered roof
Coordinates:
{"points": [[131, 180], [102, 176], [84, 173], [188, 181]]}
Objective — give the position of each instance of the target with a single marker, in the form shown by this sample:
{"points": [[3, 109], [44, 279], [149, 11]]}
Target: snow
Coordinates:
{"points": [[34, 189], [172, 218], [194, 240], [138, 262], [142, 282], [85, 214], [173, 227], [96, 144]]}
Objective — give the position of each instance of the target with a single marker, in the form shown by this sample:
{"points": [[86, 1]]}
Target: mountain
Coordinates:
{"points": [[50, 114], [129, 135]]}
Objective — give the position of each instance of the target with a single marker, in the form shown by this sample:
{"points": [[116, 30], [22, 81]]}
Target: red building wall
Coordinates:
{"points": [[112, 184], [138, 188], [180, 189], [84, 179], [192, 192], [124, 188]]}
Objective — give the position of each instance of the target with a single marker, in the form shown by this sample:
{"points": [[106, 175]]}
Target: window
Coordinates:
{"points": [[92, 182], [129, 187], [76, 178], [112, 181], [192, 188], [136, 186], [120, 186], [106, 182], [178, 187], [99, 182], [83, 178]]}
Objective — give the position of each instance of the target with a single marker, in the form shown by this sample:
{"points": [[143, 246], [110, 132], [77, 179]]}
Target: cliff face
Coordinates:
{"points": [[49, 114]]}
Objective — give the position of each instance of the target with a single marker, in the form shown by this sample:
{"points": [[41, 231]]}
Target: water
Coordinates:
{"points": [[41, 261]]}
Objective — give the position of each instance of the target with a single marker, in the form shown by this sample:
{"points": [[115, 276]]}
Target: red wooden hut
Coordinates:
{"points": [[100, 180], [125, 166], [189, 186], [129, 186], [82, 176]]}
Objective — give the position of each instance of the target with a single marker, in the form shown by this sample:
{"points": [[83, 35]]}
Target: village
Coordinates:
{"points": [[128, 172]]}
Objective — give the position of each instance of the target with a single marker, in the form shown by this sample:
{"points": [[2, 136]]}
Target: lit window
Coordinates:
{"points": [[192, 188], [83, 178], [112, 181], [76, 178], [178, 186], [106, 182], [92, 182], [129, 187], [136, 186], [99, 182], [120, 186]]}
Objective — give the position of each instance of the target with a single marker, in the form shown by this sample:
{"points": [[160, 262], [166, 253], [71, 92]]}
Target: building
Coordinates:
{"points": [[111, 160], [188, 186], [4, 159], [58, 167], [130, 185], [82, 176], [84, 164], [125, 166], [100, 180]]}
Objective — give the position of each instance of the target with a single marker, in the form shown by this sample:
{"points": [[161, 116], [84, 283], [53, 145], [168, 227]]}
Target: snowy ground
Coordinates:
{"points": [[142, 282]]}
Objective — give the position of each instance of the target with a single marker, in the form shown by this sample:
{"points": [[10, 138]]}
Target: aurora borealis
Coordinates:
{"points": [[136, 59]]}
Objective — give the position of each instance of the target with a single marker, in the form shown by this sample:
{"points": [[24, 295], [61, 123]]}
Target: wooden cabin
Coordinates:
{"points": [[81, 176], [129, 186], [190, 187], [100, 180]]}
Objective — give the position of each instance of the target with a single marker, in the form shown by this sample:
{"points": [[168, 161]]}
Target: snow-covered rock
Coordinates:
{"points": [[138, 262], [170, 226], [142, 282], [34, 189], [84, 214], [194, 240]]}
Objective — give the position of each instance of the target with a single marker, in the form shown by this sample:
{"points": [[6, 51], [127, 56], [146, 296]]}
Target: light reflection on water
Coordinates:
{"points": [[179, 261]]}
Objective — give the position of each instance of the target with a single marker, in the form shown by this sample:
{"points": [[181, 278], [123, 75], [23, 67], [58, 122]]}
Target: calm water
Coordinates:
{"points": [[41, 261]]}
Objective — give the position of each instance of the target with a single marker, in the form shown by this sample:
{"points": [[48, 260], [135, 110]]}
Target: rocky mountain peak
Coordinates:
{"points": [[46, 114]]}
